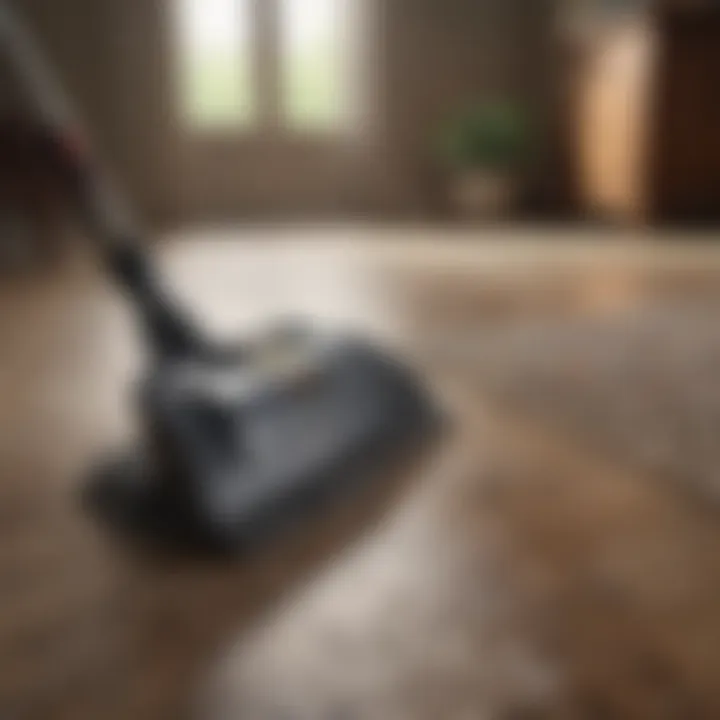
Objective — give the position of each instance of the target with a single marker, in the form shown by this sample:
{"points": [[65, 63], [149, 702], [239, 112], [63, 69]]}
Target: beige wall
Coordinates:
{"points": [[440, 54], [428, 56], [74, 35], [99, 49]]}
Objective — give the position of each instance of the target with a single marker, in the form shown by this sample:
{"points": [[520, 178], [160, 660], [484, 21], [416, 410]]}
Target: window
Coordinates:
{"points": [[303, 64], [216, 73], [311, 63]]}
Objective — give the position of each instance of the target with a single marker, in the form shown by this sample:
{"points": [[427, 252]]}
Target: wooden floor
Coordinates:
{"points": [[509, 572]]}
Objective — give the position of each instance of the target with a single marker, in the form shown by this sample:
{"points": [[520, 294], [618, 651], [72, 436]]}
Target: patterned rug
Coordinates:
{"points": [[643, 387]]}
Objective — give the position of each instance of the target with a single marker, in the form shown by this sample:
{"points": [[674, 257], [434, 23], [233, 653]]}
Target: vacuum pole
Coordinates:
{"points": [[102, 210]]}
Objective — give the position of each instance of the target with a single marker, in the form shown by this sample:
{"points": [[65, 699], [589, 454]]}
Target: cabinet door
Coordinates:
{"points": [[686, 158], [614, 102]]}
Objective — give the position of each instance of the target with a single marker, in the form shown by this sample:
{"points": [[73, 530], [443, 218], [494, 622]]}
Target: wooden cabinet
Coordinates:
{"points": [[685, 165], [647, 111], [613, 108]]}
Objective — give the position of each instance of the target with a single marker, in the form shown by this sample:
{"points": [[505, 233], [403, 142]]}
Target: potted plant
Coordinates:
{"points": [[484, 149]]}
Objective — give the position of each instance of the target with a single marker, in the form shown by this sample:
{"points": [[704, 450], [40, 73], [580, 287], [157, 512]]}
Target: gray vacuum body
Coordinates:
{"points": [[236, 447]]}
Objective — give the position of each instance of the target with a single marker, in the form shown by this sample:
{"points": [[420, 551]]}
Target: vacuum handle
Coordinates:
{"points": [[102, 210], [51, 108]]}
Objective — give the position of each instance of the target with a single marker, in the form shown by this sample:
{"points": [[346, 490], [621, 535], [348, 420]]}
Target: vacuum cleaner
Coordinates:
{"points": [[237, 440]]}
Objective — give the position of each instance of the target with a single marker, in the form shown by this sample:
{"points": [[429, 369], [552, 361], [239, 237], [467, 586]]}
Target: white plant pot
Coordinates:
{"points": [[483, 195]]}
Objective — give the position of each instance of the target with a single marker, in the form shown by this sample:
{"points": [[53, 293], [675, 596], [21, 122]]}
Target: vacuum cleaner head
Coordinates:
{"points": [[239, 443]]}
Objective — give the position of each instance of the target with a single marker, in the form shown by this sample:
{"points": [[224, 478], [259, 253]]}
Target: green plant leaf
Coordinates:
{"points": [[492, 135]]}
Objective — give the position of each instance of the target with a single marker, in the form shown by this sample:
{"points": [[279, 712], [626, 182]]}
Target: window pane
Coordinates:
{"points": [[311, 63], [216, 77]]}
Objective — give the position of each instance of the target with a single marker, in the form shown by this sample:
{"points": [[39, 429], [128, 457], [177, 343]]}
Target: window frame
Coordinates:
{"points": [[270, 121]]}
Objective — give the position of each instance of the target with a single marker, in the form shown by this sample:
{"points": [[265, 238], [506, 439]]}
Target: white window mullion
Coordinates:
{"points": [[267, 63]]}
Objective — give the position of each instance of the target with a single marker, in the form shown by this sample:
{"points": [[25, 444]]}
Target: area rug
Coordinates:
{"points": [[642, 386]]}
